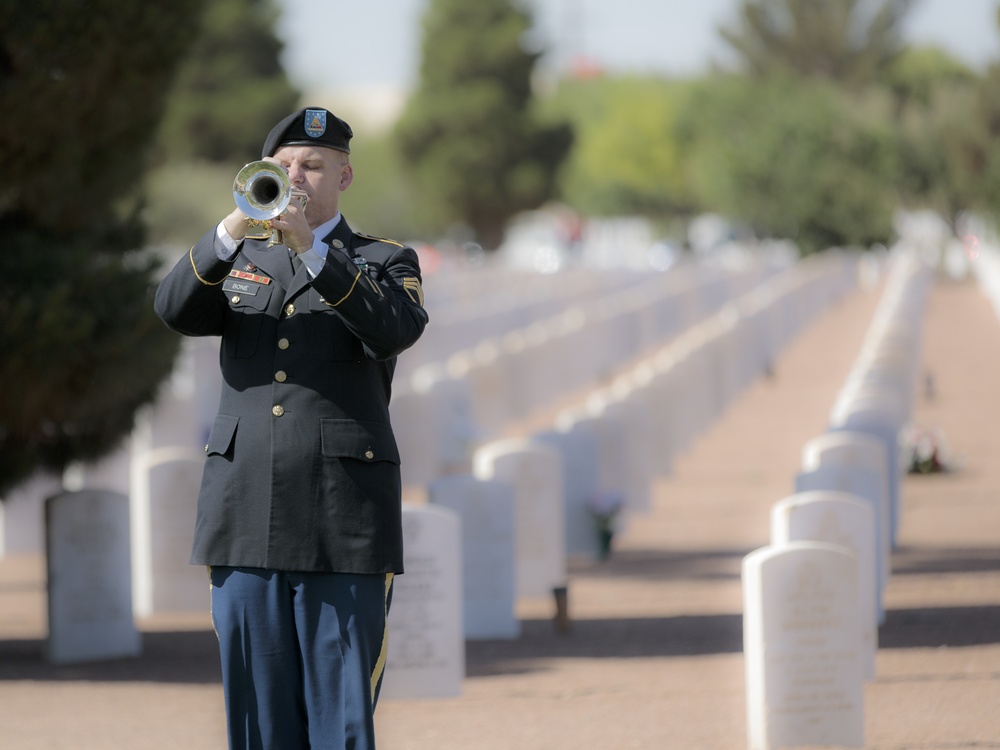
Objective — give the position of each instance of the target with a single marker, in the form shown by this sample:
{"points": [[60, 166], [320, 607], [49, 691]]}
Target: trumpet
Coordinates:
{"points": [[262, 191]]}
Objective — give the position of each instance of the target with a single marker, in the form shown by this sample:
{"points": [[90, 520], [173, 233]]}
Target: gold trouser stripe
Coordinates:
{"points": [[353, 284], [198, 275], [384, 651]]}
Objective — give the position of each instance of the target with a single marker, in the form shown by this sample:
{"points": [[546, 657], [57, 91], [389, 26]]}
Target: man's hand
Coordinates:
{"points": [[295, 231], [237, 225]]}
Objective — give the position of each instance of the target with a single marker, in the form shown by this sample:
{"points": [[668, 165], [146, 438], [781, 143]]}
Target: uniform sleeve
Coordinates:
{"points": [[387, 315], [188, 299]]}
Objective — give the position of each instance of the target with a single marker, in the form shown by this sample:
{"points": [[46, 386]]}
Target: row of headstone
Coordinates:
{"points": [[481, 394], [512, 375], [812, 599], [494, 302], [525, 506]]}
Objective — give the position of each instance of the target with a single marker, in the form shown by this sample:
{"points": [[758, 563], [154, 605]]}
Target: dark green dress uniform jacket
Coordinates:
{"points": [[302, 469]]}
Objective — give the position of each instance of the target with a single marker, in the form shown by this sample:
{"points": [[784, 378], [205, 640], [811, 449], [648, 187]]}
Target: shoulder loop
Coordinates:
{"points": [[379, 239]]}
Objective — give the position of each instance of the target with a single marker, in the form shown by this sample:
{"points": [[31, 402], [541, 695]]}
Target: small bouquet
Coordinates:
{"points": [[926, 451], [604, 508]]}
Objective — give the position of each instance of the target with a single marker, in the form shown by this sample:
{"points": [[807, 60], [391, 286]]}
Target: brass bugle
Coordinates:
{"points": [[262, 191]]}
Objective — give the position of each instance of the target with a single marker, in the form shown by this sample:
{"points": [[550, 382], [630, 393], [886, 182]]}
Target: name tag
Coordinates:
{"points": [[240, 287]]}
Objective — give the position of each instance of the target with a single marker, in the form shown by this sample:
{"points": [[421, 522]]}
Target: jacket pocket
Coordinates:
{"points": [[222, 436], [244, 320], [358, 439]]}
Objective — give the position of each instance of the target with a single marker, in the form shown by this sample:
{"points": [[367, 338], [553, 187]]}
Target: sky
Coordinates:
{"points": [[334, 44]]}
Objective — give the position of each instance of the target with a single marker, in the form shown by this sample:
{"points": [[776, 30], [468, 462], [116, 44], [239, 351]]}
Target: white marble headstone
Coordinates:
{"points": [[869, 419], [535, 471], [578, 446], [844, 519], [802, 646], [164, 504], [89, 578], [426, 657], [857, 463], [485, 509]]}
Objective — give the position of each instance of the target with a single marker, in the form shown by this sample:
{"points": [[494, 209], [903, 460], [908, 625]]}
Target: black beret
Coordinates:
{"points": [[312, 126]]}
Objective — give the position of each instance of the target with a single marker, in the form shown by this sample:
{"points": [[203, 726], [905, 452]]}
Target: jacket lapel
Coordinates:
{"points": [[341, 239]]}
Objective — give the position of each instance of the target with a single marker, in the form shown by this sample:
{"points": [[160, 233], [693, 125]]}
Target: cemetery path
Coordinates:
{"points": [[653, 656]]}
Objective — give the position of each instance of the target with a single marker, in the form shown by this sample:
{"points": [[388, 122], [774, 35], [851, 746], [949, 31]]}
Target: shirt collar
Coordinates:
{"points": [[322, 231]]}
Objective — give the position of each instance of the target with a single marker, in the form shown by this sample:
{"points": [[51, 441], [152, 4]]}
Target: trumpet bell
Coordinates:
{"points": [[262, 190]]}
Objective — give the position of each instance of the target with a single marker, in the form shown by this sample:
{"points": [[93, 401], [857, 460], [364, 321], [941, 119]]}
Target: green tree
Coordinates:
{"points": [[942, 115], [81, 89], [626, 158], [793, 159], [230, 88], [478, 151], [851, 41]]}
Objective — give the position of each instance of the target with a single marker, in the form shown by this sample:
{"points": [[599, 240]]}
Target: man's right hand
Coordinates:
{"points": [[236, 225]]}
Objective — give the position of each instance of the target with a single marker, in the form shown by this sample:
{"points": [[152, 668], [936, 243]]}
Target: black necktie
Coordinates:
{"points": [[296, 261]]}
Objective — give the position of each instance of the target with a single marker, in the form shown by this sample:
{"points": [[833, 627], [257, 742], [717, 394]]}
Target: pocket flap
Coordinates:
{"points": [[365, 441], [220, 440]]}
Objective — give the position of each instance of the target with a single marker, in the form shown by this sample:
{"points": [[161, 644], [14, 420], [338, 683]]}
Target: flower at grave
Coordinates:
{"points": [[604, 508], [926, 450]]}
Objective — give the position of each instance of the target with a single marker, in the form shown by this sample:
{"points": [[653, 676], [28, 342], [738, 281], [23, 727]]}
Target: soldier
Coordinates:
{"points": [[300, 503]]}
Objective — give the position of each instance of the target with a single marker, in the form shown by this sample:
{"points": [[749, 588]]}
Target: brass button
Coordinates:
{"points": [[289, 309], [283, 343], [338, 244], [369, 455], [280, 376], [277, 410], [235, 299]]}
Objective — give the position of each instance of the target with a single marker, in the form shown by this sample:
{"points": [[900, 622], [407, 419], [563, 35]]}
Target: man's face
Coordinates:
{"points": [[321, 173]]}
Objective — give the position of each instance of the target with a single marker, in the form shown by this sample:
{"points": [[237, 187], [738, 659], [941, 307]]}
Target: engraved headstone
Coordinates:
{"points": [[89, 578], [838, 518], [486, 513], [802, 646], [426, 657], [870, 418], [536, 473], [857, 463]]}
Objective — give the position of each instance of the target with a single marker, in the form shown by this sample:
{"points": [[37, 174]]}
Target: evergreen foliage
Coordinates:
{"points": [[478, 151], [849, 41], [81, 89], [626, 158], [230, 89], [794, 159]]}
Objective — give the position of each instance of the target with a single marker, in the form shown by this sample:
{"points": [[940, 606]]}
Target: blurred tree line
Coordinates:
{"points": [[824, 127], [828, 125]]}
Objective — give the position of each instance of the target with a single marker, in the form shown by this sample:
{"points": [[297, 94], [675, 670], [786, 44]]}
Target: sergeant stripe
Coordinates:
{"points": [[413, 288], [384, 651]]}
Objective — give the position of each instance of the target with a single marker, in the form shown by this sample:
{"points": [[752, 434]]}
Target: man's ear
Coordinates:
{"points": [[346, 177]]}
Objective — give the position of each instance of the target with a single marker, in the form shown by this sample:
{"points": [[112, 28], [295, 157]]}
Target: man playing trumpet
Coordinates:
{"points": [[299, 508]]}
